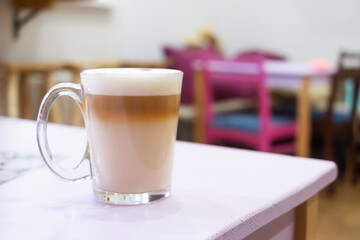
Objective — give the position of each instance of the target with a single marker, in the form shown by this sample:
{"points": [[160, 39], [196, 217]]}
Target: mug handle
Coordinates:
{"points": [[82, 170]]}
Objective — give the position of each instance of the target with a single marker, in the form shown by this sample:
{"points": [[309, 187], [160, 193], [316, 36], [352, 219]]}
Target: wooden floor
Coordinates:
{"points": [[339, 215]]}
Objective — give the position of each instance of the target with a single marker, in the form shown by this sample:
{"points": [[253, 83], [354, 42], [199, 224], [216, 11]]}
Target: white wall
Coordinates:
{"points": [[137, 29], [59, 34]]}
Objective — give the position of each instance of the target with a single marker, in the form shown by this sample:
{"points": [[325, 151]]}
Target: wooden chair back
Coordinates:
{"points": [[330, 126], [344, 73]]}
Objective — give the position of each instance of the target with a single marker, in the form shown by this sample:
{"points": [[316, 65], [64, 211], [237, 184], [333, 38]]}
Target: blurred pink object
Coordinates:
{"points": [[183, 59], [257, 130], [321, 65], [257, 53]]}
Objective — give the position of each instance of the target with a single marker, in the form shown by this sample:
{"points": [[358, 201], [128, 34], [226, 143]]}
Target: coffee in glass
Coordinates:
{"points": [[131, 121]]}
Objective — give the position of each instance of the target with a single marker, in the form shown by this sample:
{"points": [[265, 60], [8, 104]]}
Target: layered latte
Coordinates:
{"points": [[131, 121]]}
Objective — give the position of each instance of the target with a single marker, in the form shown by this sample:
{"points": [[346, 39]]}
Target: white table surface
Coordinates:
{"points": [[217, 192], [288, 75]]}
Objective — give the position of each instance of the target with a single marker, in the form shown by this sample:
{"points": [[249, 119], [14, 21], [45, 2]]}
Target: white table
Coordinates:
{"points": [[218, 193]]}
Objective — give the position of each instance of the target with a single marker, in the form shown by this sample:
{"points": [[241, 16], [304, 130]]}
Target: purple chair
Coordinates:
{"points": [[258, 130]]}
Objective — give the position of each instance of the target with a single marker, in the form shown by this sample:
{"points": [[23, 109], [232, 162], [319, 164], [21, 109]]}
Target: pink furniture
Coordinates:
{"points": [[218, 193], [254, 53], [294, 76], [182, 59], [257, 130]]}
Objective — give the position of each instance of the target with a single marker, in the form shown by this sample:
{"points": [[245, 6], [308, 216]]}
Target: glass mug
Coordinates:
{"points": [[131, 120]]}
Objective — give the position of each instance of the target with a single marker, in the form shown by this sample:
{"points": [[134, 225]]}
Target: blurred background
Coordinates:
{"points": [[303, 102]]}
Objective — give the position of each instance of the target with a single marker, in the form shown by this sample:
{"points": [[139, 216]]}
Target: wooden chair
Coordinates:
{"points": [[257, 130], [18, 93], [331, 122], [18, 87]]}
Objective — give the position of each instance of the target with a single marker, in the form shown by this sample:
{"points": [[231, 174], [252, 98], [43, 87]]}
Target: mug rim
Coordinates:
{"points": [[132, 81], [143, 72]]}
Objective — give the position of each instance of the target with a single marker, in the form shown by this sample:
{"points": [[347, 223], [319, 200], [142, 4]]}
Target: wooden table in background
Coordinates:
{"points": [[295, 77]]}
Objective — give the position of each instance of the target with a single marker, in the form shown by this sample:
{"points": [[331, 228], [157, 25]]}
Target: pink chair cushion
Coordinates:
{"points": [[248, 121]]}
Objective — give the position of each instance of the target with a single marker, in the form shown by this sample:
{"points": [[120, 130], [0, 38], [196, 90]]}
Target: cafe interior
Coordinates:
{"points": [[304, 100]]}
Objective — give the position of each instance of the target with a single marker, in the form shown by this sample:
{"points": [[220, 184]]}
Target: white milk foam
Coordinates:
{"points": [[132, 81]]}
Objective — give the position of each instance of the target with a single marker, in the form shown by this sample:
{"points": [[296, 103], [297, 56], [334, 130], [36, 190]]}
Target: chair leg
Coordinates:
{"points": [[351, 166], [350, 171], [264, 145], [327, 147], [76, 113], [328, 155], [24, 96], [208, 138], [55, 113], [12, 94]]}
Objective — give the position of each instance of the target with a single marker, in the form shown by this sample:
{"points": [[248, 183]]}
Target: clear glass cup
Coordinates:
{"points": [[131, 120]]}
